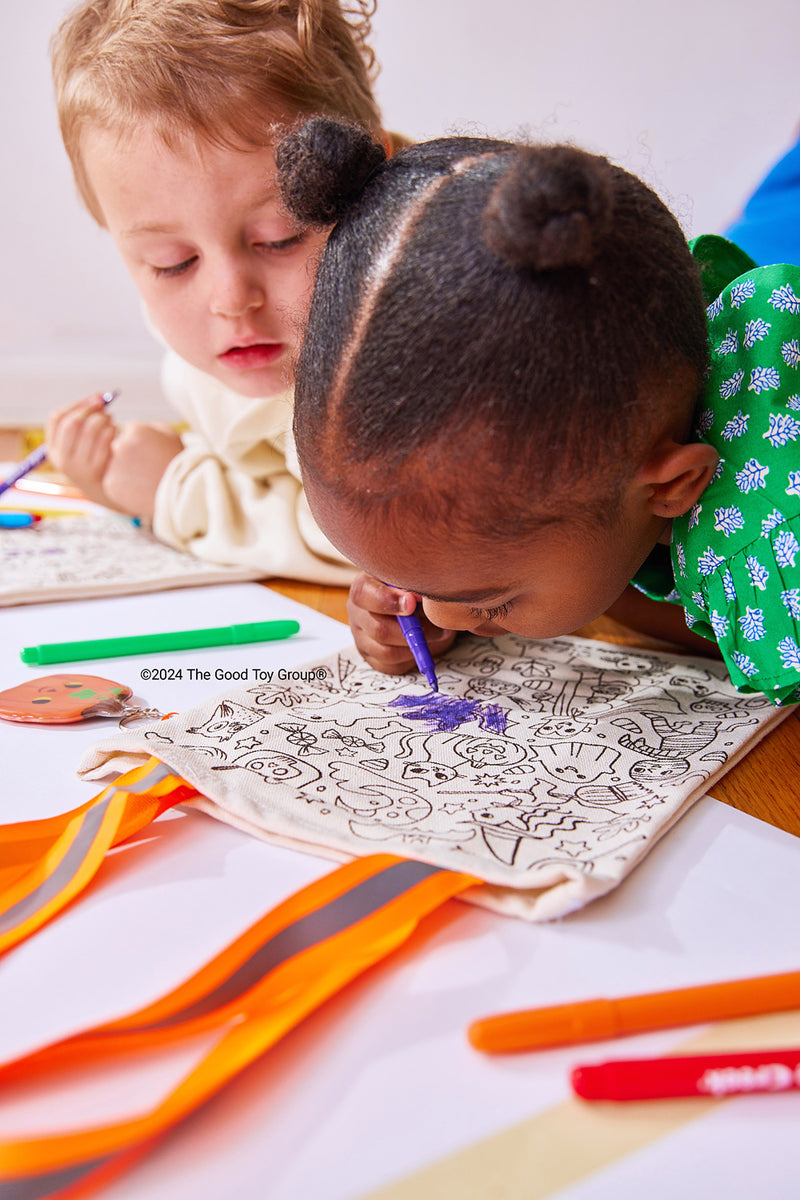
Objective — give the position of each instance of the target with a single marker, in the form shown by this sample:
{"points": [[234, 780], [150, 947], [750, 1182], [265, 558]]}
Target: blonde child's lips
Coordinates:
{"points": [[249, 358]]}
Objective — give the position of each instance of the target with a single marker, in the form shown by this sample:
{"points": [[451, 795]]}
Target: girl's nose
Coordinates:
{"points": [[450, 616], [236, 291]]}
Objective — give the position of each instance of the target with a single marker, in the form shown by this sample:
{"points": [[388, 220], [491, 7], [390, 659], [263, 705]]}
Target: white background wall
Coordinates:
{"points": [[697, 96]]}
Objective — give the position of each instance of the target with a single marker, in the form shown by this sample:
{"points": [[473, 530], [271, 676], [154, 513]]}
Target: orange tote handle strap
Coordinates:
{"points": [[319, 940], [221, 990], [47, 863]]}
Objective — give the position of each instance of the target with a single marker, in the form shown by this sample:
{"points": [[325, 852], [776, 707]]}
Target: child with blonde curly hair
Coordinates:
{"points": [[168, 111]]}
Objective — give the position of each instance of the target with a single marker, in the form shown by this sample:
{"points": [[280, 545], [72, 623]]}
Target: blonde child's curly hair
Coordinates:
{"points": [[227, 71]]}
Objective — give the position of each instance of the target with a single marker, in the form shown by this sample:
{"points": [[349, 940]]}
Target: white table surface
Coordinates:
{"points": [[381, 1081]]}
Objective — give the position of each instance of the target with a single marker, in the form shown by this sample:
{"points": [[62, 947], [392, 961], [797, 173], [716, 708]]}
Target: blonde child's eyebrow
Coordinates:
{"points": [[267, 197], [148, 227]]}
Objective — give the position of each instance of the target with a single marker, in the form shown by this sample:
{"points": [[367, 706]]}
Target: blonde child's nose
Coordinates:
{"points": [[236, 292]]}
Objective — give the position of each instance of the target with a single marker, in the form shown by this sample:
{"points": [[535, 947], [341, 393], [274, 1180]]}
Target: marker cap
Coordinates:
{"points": [[559, 1025]]}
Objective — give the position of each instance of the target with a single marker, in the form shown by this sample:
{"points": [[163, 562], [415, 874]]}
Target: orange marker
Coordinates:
{"points": [[594, 1020]]}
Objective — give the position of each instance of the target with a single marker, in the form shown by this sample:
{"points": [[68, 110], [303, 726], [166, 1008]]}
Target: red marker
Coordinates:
{"points": [[697, 1075]]}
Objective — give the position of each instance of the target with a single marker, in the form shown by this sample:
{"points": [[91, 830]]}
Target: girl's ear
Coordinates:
{"points": [[676, 475]]}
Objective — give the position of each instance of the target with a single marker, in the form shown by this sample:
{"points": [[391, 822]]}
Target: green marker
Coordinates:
{"points": [[153, 643]]}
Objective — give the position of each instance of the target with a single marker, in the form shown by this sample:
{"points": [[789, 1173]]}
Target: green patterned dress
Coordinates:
{"points": [[735, 556]]}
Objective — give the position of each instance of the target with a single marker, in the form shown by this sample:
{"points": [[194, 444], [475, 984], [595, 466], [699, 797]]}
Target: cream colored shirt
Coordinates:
{"points": [[233, 495]]}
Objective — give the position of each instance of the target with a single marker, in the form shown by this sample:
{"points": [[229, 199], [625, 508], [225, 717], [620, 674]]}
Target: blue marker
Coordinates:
{"points": [[412, 632], [17, 520], [37, 458]]}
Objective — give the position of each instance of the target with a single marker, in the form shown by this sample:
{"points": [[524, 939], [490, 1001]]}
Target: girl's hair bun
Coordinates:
{"points": [[551, 209], [322, 168]]}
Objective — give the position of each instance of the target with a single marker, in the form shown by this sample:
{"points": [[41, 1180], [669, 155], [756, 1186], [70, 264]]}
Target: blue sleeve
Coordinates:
{"points": [[769, 227]]}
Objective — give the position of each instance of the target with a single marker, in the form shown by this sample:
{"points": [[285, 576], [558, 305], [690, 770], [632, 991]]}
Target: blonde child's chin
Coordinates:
{"points": [[264, 382]]}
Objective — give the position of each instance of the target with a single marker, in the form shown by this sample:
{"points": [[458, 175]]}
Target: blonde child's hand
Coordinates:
{"points": [[79, 440], [140, 455], [373, 609]]}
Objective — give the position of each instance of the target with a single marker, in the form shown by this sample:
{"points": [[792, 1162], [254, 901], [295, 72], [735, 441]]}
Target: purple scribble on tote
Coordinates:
{"points": [[448, 712]]}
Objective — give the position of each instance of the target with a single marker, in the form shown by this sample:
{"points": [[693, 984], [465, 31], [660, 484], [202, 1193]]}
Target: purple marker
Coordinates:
{"points": [[38, 456], [412, 632]]}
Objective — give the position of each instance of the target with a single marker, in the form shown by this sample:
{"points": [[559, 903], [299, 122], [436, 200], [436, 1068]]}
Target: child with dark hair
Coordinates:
{"points": [[507, 407]]}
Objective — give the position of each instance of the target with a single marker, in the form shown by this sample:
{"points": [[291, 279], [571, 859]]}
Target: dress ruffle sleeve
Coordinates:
{"points": [[736, 553]]}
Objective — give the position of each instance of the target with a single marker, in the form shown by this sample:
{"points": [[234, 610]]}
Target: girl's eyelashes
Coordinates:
{"points": [[491, 614]]}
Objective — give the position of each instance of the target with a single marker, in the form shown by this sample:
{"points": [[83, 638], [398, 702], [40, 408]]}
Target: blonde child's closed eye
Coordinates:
{"points": [[277, 247]]}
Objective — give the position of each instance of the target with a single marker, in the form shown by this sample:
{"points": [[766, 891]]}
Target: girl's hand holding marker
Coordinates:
{"points": [[373, 609]]}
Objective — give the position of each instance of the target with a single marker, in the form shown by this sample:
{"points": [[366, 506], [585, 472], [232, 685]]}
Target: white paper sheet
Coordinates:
{"points": [[99, 553], [39, 764]]}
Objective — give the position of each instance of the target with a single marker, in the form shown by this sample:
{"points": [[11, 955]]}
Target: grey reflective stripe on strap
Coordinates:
{"points": [[37, 1187], [337, 915], [70, 863]]}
